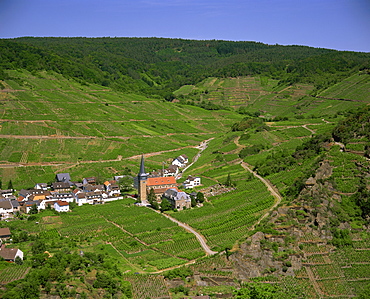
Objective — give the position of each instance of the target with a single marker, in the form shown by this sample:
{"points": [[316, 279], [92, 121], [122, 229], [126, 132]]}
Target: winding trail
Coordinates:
{"points": [[6, 164], [203, 145], [270, 187], [200, 237], [274, 192]]}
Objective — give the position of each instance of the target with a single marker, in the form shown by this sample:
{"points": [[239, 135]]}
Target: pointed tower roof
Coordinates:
{"points": [[142, 167], [142, 174]]}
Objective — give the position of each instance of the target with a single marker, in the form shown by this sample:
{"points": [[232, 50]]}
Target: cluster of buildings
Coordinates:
{"points": [[165, 185], [58, 195], [63, 191]]}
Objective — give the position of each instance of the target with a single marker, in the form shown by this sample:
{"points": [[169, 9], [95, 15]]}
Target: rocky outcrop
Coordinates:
{"points": [[304, 221]]}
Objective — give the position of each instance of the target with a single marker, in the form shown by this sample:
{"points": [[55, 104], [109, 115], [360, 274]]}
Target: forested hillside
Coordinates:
{"points": [[158, 66]]}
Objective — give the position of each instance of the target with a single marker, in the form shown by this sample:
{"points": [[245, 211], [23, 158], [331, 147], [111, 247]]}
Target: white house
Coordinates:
{"points": [[41, 186], [172, 170], [6, 193], [10, 254], [6, 208], [181, 161], [61, 206], [44, 203], [112, 189], [191, 182], [65, 196], [81, 198]]}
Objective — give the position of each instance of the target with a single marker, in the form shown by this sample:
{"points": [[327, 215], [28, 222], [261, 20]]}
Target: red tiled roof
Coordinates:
{"points": [[62, 203], [76, 190], [20, 198], [161, 181]]}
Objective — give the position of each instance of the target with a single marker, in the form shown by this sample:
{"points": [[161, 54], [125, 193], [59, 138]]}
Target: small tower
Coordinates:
{"points": [[142, 180]]}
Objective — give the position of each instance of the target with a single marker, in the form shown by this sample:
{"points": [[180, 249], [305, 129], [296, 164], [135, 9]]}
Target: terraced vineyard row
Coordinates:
{"points": [[10, 274], [228, 217]]}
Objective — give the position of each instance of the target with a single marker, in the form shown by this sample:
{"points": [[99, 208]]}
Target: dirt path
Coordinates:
{"points": [[314, 283], [203, 145], [307, 128], [124, 258], [46, 137], [174, 267], [71, 164], [201, 238], [270, 187]]}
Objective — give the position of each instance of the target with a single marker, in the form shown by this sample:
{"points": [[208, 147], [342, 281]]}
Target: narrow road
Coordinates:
{"points": [[201, 238], [270, 187], [201, 147]]}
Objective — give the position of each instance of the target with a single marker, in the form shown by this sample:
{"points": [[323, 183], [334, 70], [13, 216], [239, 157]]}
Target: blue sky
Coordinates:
{"points": [[334, 24]]}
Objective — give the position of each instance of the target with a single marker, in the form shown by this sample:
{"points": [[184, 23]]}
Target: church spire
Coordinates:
{"points": [[142, 167], [142, 174], [142, 178]]}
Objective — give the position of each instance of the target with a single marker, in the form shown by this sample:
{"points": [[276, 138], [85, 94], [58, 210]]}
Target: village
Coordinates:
{"points": [[64, 193]]}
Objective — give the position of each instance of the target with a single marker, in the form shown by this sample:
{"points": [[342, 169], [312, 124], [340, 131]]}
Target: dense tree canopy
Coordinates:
{"points": [[159, 66]]}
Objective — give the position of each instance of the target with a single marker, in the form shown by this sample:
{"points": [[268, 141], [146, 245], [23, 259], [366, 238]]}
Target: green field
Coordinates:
{"points": [[46, 125], [51, 124]]}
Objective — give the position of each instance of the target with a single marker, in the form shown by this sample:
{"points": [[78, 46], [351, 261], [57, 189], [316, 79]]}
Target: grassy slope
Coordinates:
{"points": [[213, 166], [270, 99], [71, 126]]}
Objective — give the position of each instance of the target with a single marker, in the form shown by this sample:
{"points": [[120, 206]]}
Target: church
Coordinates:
{"points": [[158, 184]]}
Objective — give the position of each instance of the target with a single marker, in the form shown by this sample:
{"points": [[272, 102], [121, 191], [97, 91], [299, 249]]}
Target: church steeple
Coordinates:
{"points": [[142, 174], [142, 178]]}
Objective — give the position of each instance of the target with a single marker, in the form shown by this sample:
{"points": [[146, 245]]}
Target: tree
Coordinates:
{"points": [[105, 281], [258, 291], [193, 201], [227, 251], [18, 261], [229, 182], [38, 247], [165, 205], [152, 199], [126, 183], [33, 210], [200, 197], [10, 185]]}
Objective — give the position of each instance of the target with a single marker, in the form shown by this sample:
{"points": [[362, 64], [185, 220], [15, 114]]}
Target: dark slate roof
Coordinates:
{"points": [[15, 203], [142, 174], [31, 203], [63, 177], [174, 194]]}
